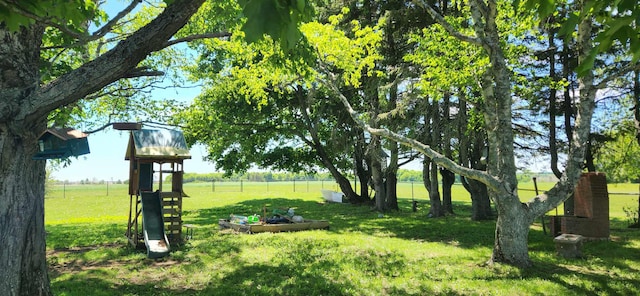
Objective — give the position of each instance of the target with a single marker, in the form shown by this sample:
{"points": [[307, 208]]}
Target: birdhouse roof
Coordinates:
{"points": [[64, 133]]}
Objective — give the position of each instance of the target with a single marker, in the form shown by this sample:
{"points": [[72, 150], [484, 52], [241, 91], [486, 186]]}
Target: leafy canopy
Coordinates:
{"points": [[282, 22], [69, 13]]}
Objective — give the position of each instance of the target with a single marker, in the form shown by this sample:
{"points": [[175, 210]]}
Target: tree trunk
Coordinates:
{"points": [[480, 202], [24, 106], [448, 178], [511, 235], [430, 181], [23, 266], [343, 182], [553, 147], [470, 156], [589, 163], [377, 175], [430, 168], [391, 178], [636, 101], [512, 232], [362, 173], [391, 185], [22, 259]]}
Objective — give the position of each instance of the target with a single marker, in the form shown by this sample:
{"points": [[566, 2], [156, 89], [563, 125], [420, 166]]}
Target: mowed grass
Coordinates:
{"points": [[400, 253]]}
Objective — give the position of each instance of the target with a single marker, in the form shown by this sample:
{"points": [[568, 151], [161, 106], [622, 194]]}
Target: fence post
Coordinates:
{"points": [[294, 185], [412, 189], [213, 185]]}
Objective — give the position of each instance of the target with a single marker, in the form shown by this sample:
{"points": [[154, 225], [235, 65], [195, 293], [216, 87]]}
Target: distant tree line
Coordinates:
{"points": [[86, 181]]}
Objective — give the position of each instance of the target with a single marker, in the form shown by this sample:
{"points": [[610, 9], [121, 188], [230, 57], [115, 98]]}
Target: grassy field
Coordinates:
{"points": [[401, 253]]}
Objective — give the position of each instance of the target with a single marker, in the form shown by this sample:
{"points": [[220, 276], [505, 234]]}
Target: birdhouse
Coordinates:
{"points": [[61, 143]]}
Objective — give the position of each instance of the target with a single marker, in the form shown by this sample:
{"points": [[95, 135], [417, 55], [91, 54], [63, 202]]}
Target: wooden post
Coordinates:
{"points": [[535, 186]]}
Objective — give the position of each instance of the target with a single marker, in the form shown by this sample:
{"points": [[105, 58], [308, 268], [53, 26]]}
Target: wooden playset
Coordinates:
{"points": [[152, 154]]}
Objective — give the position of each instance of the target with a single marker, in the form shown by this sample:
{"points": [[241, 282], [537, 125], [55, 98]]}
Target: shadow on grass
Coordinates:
{"points": [[98, 283], [77, 235], [93, 262], [345, 218], [591, 281]]}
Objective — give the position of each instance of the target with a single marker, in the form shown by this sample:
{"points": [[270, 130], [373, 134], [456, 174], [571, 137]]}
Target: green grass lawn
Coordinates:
{"points": [[401, 253]]}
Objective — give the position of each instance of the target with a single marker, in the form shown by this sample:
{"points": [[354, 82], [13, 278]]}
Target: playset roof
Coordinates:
{"points": [[157, 144]]}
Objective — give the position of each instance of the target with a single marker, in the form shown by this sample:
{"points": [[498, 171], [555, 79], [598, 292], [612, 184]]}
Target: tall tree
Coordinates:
{"points": [[514, 215], [24, 109], [28, 100]]}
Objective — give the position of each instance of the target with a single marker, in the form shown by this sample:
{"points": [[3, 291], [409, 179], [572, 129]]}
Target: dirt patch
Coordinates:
{"points": [[73, 260], [78, 250]]}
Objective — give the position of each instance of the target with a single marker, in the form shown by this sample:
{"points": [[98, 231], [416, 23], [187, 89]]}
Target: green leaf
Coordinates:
{"points": [[627, 5], [569, 26], [278, 19], [618, 23], [301, 4], [634, 44], [546, 8]]}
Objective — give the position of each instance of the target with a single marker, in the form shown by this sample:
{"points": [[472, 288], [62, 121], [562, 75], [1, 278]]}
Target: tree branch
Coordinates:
{"points": [[112, 65], [85, 38], [196, 37], [436, 157], [142, 72], [617, 73], [446, 25], [15, 7], [109, 25], [100, 128]]}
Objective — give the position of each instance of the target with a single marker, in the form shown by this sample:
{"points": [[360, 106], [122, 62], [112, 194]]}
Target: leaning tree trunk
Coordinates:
{"points": [[343, 182]]}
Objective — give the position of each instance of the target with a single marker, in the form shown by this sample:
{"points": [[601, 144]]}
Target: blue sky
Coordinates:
{"points": [[106, 160]]}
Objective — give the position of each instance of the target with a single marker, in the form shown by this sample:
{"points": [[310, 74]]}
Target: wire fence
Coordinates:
{"points": [[290, 186], [410, 189]]}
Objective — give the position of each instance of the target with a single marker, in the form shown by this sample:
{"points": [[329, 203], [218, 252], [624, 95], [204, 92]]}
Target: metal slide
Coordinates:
{"points": [[153, 225]]}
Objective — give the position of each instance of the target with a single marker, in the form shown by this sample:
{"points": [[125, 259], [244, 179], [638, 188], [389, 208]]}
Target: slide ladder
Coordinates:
{"points": [[155, 238]]}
